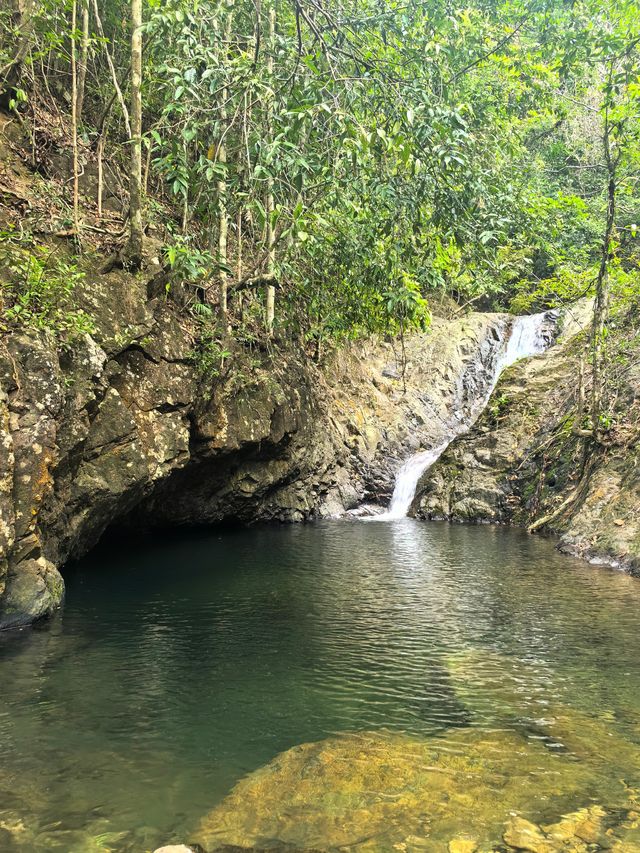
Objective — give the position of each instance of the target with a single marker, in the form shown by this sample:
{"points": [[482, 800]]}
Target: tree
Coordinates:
{"points": [[16, 18], [134, 249], [354, 157], [74, 117], [269, 203], [223, 217], [82, 64]]}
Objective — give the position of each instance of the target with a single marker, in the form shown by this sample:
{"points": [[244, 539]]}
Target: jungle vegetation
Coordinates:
{"points": [[323, 169]]}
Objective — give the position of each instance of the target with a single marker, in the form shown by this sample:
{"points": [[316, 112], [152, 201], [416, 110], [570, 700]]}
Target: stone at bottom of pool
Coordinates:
{"points": [[465, 791]]}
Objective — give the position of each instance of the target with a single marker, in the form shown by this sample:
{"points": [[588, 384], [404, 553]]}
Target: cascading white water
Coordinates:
{"points": [[407, 480], [527, 338]]}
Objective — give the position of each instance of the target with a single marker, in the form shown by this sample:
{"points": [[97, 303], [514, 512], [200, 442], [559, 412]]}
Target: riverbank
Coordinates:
{"points": [[140, 419], [522, 463]]}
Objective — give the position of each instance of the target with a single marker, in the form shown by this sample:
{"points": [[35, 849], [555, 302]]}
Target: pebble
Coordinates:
{"points": [[174, 848]]}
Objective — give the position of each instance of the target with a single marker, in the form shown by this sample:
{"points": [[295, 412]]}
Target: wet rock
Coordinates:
{"points": [[521, 834], [177, 848], [583, 825], [578, 832], [391, 788], [34, 588], [462, 845], [232, 848], [6, 840]]}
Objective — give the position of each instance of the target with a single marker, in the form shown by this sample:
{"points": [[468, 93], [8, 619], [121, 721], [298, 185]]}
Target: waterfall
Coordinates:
{"points": [[529, 336]]}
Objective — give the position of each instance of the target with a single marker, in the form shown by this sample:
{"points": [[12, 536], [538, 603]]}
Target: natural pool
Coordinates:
{"points": [[476, 671]]}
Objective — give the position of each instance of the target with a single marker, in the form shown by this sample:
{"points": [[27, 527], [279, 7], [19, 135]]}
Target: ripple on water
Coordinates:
{"points": [[180, 666]]}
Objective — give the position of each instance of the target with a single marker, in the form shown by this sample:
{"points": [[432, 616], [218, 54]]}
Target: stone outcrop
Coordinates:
{"points": [[122, 428], [303, 442], [521, 783]]}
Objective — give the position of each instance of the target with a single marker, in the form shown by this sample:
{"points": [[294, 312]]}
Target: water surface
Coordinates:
{"points": [[180, 665]]}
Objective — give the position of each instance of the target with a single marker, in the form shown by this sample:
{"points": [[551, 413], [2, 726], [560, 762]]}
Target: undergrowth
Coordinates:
{"points": [[37, 286]]}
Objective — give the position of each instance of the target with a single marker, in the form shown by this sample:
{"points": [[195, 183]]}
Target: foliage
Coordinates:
{"points": [[37, 289], [362, 157], [498, 406], [210, 354], [188, 263]]}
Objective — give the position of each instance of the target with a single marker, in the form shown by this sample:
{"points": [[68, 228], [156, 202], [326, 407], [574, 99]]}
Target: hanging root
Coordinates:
{"points": [[546, 519], [571, 499]]}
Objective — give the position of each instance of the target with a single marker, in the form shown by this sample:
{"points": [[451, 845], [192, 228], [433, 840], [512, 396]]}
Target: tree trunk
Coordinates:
{"points": [[114, 76], [74, 118], [244, 145], [82, 65], [223, 213], [601, 304], [223, 230], [239, 253], [269, 206], [100, 156], [134, 249], [21, 13]]}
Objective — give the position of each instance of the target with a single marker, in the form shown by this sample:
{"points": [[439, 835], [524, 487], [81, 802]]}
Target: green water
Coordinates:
{"points": [[180, 665]]}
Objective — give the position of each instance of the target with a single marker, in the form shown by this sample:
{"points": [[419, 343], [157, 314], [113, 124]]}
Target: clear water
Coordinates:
{"points": [[181, 665]]}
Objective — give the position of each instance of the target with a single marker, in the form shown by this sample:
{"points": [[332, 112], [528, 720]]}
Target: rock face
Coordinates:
{"points": [[306, 442], [123, 427], [521, 462]]}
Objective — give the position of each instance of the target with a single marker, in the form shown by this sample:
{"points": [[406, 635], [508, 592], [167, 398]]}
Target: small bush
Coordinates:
{"points": [[209, 354], [37, 287], [498, 407]]}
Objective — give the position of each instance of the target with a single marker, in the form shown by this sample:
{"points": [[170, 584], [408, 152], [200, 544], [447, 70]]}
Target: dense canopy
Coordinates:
{"points": [[330, 169]]}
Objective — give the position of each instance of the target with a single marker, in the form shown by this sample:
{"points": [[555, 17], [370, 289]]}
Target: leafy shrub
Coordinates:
{"points": [[189, 264], [498, 407], [209, 354], [37, 287]]}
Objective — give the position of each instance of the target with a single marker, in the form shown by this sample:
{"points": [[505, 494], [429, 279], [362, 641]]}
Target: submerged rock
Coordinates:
{"points": [[521, 834], [536, 777], [585, 824], [379, 791], [462, 845], [230, 848], [503, 691], [578, 832], [178, 848]]}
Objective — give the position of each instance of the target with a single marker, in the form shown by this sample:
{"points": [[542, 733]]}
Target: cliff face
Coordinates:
{"points": [[122, 428], [521, 462]]}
